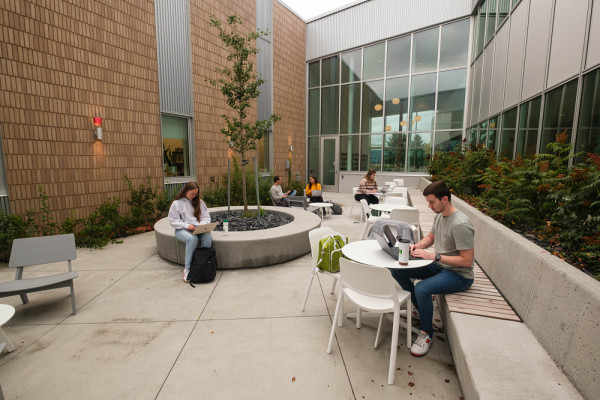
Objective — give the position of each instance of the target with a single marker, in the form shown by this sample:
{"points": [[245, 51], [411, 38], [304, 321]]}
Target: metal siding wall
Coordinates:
{"points": [[516, 52], [174, 58], [593, 50], [536, 53], [377, 20], [568, 39], [499, 69], [486, 81]]}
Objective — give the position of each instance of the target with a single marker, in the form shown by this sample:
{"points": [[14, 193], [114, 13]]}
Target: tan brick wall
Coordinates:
{"points": [[60, 65], [289, 76]]}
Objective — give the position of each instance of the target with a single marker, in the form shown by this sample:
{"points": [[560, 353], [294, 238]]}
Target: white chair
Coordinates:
{"points": [[390, 185], [396, 200], [354, 189], [398, 190], [399, 181], [373, 289], [369, 219], [314, 236], [410, 217]]}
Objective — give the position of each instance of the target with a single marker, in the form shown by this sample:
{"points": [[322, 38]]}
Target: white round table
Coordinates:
{"points": [[6, 313], [321, 206], [388, 207], [369, 252]]}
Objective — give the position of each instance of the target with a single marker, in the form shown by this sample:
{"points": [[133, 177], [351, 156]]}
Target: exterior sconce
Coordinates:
{"points": [[291, 148], [98, 125]]}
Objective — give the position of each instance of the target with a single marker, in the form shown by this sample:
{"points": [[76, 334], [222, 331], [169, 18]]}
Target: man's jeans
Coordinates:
{"points": [[191, 241], [434, 280]]}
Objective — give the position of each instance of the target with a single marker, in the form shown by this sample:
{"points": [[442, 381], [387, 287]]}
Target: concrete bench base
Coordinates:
{"points": [[501, 359], [247, 249]]}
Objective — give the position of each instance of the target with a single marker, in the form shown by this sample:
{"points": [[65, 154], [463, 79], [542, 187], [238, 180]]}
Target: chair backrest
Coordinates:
{"points": [[396, 200], [366, 209], [42, 250], [367, 279], [400, 189], [313, 237], [408, 216], [399, 181], [390, 184], [354, 190]]}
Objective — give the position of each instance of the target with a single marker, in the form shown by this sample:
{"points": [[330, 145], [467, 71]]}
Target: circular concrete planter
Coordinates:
{"points": [[250, 248]]}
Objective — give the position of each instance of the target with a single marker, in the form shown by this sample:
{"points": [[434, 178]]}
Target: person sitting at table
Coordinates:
{"points": [[313, 184], [368, 186], [277, 193], [452, 235]]}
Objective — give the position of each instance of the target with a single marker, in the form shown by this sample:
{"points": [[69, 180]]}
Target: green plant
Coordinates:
{"points": [[14, 227], [239, 84], [102, 226], [142, 203], [48, 225]]}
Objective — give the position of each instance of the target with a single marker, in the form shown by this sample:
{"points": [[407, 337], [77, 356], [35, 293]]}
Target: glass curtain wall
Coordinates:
{"points": [[529, 123], [388, 101], [559, 114], [508, 134], [588, 134]]}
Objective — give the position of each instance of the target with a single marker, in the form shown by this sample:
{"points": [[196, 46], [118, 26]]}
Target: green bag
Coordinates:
{"points": [[330, 252]]}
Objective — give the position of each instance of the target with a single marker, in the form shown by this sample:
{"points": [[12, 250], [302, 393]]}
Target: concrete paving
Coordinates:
{"points": [[141, 333]]}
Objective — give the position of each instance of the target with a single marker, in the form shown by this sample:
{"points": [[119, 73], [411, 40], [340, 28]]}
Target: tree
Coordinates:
{"points": [[239, 84]]}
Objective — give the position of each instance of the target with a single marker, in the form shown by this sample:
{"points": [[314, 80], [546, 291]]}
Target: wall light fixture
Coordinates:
{"points": [[98, 125]]}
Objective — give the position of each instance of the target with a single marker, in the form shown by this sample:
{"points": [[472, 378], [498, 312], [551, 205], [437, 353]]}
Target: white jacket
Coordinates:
{"points": [[181, 214]]}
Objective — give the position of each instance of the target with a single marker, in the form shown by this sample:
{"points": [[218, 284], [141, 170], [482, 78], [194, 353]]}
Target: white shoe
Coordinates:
{"points": [[185, 275], [415, 315], [421, 346]]}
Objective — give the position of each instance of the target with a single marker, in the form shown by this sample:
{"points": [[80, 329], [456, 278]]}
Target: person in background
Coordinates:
{"points": [[313, 184], [186, 213], [368, 186], [277, 193]]}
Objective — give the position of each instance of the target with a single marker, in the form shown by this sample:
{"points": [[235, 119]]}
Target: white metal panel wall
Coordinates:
{"points": [[501, 54], [476, 92], [536, 53], [593, 50], [377, 20], [568, 40], [486, 81], [174, 58], [516, 51]]}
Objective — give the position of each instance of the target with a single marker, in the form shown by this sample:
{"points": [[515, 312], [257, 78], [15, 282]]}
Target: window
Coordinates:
{"points": [[176, 161], [396, 104], [509, 131], [493, 128], [313, 111], [483, 130], [425, 51], [398, 56], [491, 20], [314, 74], [372, 107], [313, 156], [559, 110], [374, 61], [473, 135], [529, 123], [454, 46], [331, 71], [349, 153], [394, 152], [446, 141], [588, 135], [479, 36], [503, 10], [370, 152], [3, 185], [350, 110], [422, 99], [419, 151], [351, 66], [329, 110], [451, 99]]}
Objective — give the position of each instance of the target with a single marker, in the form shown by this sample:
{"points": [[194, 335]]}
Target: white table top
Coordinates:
{"points": [[388, 207], [369, 252], [6, 313], [322, 205]]}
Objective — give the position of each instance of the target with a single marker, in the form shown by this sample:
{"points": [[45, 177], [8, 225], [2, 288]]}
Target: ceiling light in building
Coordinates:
{"points": [[418, 118], [388, 128], [378, 107], [395, 100], [403, 123]]}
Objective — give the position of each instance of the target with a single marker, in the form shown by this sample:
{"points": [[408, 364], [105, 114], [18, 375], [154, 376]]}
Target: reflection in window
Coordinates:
{"points": [[446, 141], [473, 135], [455, 45], [398, 56], [483, 130], [396, 104], [394, 152], [331, 71], [329, 110], [425, 50], [422, 102], [370, 152], [491, 20], [529, 122], [374, 61], [509, 131], [349, 153], [313, 156], [176, 160], [503, 10], [350, 109], [480, 30], [372, 107], [351, 66], [493, 128], [588, 134], [559, 111], [314, 74], [451, 99], [419, 151], [313, 112]]}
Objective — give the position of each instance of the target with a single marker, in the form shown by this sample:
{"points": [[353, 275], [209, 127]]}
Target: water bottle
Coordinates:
{"points": [[403, 250], [225, 227]]}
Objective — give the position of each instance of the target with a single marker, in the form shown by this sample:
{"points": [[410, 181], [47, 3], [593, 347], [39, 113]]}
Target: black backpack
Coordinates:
{"points": [[336, 209], [203, 268]]}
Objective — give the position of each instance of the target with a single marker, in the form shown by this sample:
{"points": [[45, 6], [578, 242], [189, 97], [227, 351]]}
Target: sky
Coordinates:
{"points": [[308, 9]]}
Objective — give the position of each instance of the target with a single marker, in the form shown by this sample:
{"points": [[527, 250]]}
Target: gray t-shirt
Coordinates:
{"points": [[451, 234]]}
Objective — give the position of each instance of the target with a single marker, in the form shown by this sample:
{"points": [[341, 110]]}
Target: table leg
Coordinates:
{"points": [[3, 338]]}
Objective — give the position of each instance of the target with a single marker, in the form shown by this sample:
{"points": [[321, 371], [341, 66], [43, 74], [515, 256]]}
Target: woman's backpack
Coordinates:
{"points": [[203, 268], [330, 252]]}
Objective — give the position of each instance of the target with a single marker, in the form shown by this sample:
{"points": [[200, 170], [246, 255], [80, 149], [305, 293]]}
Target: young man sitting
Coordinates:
{"points": [[277, 193]]}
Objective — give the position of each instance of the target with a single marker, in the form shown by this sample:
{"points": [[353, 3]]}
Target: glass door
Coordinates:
{"points": [[329, 163]]}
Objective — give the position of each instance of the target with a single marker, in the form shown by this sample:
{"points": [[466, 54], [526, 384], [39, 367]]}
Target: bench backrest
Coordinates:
{"points": [[42, 250]]}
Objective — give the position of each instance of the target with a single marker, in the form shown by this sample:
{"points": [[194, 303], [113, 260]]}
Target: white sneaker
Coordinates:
{"points": [[421, 346], [415, 314], [185, 274]]}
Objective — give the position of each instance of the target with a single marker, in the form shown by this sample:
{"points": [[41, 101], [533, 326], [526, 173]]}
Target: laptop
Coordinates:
{"points": [[316, 193], [205, 228], [387, 242]]}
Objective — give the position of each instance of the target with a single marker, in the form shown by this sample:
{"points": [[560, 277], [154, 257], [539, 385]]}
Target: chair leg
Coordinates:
{"points": [[73, 298], [335, 281], [394, 348], [408, 323], [4, 338], [358, 317], [363, 233], [336, 316], [378, 330], [310, 279]]}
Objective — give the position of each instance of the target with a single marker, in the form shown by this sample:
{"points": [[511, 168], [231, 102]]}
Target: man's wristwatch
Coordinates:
{"points": [[438, 257]]}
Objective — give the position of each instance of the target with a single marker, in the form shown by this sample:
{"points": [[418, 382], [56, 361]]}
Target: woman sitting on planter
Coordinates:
{"points": [[186, 213], [313, 190]]}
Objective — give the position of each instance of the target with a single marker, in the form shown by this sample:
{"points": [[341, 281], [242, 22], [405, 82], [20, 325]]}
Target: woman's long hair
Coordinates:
{"points": [[195, 201], [369, 175], [315, 180]]}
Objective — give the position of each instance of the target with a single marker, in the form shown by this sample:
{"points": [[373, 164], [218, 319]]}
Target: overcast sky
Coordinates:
{"points": [[308, 9]]}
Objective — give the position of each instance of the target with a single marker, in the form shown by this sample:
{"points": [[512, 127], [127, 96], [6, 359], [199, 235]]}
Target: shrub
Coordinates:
{"points": [[142, 203], [14, 227], [102, 226]]}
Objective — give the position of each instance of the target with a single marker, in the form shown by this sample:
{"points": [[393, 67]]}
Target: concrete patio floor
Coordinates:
{"points": [[141, 333]]}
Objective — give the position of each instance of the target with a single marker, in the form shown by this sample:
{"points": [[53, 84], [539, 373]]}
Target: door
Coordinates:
{"points": [[329, 163]]}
